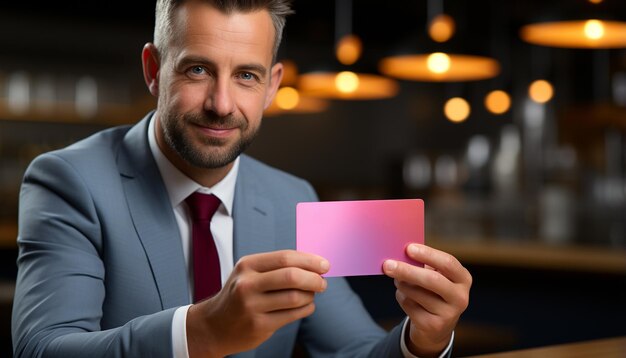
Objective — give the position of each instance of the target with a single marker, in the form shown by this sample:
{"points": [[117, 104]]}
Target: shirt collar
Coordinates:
{"points": [[179, 186]]}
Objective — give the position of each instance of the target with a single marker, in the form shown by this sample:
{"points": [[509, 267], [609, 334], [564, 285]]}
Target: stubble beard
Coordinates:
{"points": [[208, 153]]}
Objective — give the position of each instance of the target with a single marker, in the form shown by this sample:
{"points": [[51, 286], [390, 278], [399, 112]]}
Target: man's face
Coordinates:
{"points": [[214, 83]]}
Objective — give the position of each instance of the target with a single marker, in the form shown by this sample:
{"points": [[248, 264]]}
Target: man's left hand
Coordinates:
{"points": [[434, 297]]}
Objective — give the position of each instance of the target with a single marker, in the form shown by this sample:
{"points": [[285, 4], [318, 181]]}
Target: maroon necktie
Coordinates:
{"points": [[206, 263]]}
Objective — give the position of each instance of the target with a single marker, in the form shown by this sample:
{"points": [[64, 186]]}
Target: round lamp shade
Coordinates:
{"points": [[288, 100], [347, 86], [439, 67], [590, 34]]}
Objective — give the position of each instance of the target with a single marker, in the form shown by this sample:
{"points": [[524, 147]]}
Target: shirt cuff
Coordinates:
{"points": [[179, 332], [405, 350]]}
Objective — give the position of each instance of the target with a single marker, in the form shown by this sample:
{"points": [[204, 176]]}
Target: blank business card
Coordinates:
{"points": [[356, 237]]}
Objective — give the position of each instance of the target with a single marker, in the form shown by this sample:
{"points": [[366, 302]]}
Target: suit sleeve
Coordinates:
{"points": [[60, 286]]}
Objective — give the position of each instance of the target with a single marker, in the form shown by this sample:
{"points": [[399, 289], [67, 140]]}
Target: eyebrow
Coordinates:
{"points": [[190, 60]]}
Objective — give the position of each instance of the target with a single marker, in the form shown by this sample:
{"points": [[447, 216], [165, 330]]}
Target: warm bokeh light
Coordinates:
{"points": [[441, 28], [457, 67], [541, 91], [290, 73], [594, 29], [346, 86], [596, 1], [498, 102], [457, 109], [347, 82], [349, 49], [306, 105], [438, 62], [287, 98], [594, 34]]}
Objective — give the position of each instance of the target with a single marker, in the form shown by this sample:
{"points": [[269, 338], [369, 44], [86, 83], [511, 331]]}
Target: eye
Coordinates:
{"points": [[247, 76], [197, 70]]}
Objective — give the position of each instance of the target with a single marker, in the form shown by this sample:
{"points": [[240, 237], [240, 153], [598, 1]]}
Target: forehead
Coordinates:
{"points": [[203, 30]]}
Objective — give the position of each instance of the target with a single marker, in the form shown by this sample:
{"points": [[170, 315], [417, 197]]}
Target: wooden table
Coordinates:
{"points": [[605, 348]]}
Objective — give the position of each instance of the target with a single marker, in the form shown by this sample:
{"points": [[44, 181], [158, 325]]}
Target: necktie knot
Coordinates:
{"points": [[202, 206]]}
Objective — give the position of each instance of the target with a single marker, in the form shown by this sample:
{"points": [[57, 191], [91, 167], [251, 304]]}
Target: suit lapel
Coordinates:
{"points": [[153, 217], [253, 215]]}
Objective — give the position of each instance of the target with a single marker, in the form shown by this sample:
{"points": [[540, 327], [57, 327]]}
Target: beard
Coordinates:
{"points": [[203, 152]]}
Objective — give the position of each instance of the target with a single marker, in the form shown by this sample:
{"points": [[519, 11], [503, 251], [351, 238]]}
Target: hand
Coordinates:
{"points": [[264, 292], [433, 297]]}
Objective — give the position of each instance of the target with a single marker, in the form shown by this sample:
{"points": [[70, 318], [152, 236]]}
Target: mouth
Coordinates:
{"points": [[215, 131]]}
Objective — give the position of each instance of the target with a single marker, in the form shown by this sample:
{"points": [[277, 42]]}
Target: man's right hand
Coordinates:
{"points": [[264, 292]]}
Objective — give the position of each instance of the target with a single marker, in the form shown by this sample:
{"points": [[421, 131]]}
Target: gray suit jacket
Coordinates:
{"points": [[101, 267]]}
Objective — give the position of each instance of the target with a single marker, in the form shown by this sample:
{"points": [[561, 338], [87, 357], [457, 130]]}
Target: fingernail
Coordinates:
{"points": [[324, 265], [390, 265], [413, 249], [324, 285]]}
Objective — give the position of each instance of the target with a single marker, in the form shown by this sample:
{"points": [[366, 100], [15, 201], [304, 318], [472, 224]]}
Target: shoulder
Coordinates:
{"points": [[99, 153], [105, 142], [92, 156]]}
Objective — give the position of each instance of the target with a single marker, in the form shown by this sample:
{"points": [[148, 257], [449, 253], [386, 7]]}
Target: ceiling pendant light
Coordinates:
{"points": [[290, 100], [349, 49], [439, 66], [441, 28], [590, 33], [498, 101], [347, 85]]}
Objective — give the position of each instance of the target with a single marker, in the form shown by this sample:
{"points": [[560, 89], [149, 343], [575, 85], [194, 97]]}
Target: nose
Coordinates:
{"points": [[220, 99]]}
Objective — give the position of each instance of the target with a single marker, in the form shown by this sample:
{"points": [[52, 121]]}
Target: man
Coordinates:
{"points": [[107, 263]]}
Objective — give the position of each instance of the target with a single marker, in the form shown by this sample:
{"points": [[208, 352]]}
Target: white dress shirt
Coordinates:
{"points": [[179, 187]]}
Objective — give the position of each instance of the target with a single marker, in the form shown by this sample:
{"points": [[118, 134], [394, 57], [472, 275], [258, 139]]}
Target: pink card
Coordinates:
{"points": [[358, 236]]}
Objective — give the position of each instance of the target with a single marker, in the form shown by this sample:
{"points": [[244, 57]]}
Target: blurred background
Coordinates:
{"points": [[512, 134]]}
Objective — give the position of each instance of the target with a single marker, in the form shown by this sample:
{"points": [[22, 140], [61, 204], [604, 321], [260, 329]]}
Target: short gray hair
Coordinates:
{"points": [[278, 10]]}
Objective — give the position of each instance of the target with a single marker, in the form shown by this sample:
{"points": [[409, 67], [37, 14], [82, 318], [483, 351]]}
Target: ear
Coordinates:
{"points": [[151, 64], [275, 79]]}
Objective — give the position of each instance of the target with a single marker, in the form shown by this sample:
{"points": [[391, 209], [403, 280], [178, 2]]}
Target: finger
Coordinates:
{"points": [[270, 261], [416, 312], [430, 301], [287, 299], [290, 278], [456, 294], [441, 261], [428, 279], [424, 321], [279, 300], [282, 317]]}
